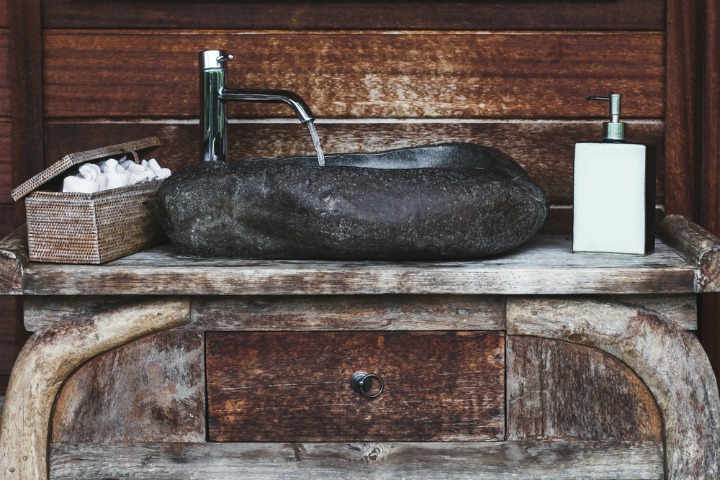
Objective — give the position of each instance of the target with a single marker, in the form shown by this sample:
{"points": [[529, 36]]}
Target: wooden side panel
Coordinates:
{"points": [[361, 461], [562, 390], [365, 14], [359, 74], [150, 390], [294, 387]]}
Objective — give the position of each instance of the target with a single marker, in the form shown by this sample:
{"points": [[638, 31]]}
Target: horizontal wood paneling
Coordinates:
{"points": [[359, 74], [559, 460], [544, 148], [364, 14], [295, 387]]}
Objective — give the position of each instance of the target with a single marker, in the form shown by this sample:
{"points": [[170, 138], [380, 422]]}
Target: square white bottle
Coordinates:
{"points": [[614, 192]]}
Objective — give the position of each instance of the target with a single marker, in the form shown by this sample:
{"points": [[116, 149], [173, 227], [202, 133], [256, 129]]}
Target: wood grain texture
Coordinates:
{"points": [[359, 74], [543, 265], [360, 461], [558, 389], [9, 335], [683, 108], [150, 390], [368, 312], [669, 360], [295, 387], [682, 309], [697, 246], [26, 90], [13, 260], [544, 148], [4, 13], [51, 356], [366, 14], [6, 177]]}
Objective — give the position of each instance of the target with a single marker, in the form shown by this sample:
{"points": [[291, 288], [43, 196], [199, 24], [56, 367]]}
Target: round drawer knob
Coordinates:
{"points": [[366, 384]]}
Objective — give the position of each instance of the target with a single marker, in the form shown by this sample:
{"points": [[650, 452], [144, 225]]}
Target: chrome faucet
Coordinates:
{"points": [[214, 94]]}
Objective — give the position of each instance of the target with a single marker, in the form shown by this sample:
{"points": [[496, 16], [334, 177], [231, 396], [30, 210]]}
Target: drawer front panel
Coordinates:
{"points": [[295, 386]]}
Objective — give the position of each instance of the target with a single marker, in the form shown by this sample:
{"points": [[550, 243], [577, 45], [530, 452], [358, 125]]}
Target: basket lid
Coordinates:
{"points": [[73, 159]]}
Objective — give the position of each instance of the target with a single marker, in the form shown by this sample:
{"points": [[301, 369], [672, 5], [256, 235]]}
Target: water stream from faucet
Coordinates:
{"points": [[316, 142]]}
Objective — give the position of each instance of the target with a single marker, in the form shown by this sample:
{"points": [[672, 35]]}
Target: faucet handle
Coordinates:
{"points": [[213, 59]]}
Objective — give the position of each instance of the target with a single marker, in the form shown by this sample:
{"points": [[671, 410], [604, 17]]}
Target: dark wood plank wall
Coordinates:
{"points": [[8, 316], [511, 74]]}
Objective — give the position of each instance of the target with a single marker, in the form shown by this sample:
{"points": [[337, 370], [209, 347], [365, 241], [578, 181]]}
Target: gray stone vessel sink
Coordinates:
{"points": [[448, 201]]}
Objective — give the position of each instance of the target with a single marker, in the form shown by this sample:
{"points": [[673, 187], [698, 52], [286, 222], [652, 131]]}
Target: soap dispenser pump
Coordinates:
{"points": [[614, 191]]}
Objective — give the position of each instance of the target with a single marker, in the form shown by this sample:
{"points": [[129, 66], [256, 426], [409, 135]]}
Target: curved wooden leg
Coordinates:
{"points": [[49, 357], [668, 359]]}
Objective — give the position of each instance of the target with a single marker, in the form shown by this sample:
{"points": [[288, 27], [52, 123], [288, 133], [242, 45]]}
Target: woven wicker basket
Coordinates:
{"points": [[89, 228]]}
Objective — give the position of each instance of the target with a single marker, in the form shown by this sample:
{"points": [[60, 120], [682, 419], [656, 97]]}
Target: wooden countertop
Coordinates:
{"points": [[545, 265]]}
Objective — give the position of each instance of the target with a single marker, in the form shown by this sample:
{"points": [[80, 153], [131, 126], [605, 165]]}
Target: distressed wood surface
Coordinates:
{"points": [[558, 389], [682, 309], [295, 387], [358, 74], [669, 360], [48, 358], [697, 246], [283, 15], [367, 312], [544, 265], [361, 461], [150, 390], [13, 261], [544, 148]]}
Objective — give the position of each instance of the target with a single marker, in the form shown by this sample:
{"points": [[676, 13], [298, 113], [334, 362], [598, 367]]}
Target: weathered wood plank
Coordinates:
{"points": [[13, 260], [358, 74], [697, 246], [150, 390], [295, 387], [669, 360], [283, 15], [360, 461], [544, 265], [48, 358], [544, 148], [6, 177], [558, 389], [682, 309], [386, 312]]}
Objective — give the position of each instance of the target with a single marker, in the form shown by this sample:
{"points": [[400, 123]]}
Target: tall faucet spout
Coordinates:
{"points": [[214, 95], [302, 110]]}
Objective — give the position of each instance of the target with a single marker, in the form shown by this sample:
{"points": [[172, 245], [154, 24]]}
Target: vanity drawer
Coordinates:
{"points": [[295, 386]]}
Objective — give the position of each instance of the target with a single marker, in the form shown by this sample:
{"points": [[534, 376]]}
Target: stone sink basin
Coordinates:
{"points": [[448, 201]]}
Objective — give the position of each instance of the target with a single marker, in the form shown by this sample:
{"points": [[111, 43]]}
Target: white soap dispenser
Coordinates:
{"points": [[614, 191]]}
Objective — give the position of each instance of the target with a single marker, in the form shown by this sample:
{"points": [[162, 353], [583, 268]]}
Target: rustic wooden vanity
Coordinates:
{"points": [[536, 364]]}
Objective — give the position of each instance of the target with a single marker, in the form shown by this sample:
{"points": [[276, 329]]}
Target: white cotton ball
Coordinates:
{"points": [[154, 165], [79, 185], [164, 173], [102, 181], [118, 179], [110, 166], [89, 171]]}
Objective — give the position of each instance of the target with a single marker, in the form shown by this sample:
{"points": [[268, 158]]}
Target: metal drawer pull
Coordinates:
{"points": [[367, 384]]}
